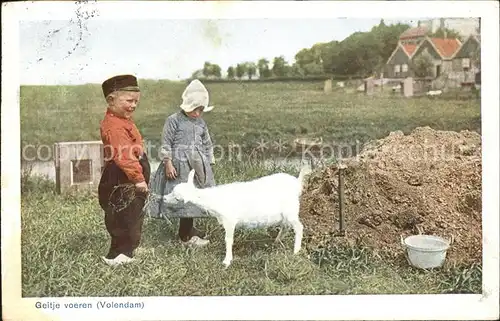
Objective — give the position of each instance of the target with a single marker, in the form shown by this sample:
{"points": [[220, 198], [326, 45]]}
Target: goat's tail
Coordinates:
{"points": [[304, 171]]}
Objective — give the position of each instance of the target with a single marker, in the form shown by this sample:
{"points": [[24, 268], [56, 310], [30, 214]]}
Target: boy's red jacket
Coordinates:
{"points": [[123, 144]]}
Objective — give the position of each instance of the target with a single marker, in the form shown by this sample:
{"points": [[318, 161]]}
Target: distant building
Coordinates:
{"points": [[450, 56], [441, 51], [414, 35], [466, 61], [399, 64], [464, 26]]}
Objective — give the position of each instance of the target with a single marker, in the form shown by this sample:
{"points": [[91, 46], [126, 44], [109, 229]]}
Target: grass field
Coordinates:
{"points": [[63, 236], [244, 113]]}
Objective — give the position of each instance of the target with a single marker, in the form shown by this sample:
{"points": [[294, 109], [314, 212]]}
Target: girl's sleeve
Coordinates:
{"points": [[167, 138], [207, 143]]}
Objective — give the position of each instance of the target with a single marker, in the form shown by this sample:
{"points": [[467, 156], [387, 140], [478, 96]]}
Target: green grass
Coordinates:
{"points": [[244, 113], [63, 237]]}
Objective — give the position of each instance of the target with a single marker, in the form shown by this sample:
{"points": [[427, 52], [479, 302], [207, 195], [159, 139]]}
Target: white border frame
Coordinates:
{"points": [[430, 307]]}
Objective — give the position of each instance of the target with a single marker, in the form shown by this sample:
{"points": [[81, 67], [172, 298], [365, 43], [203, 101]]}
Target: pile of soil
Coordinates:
{"points": [[427, 180]]}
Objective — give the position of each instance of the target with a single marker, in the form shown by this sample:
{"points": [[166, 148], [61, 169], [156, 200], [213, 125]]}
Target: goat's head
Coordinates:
{"points": [[183, 192]]}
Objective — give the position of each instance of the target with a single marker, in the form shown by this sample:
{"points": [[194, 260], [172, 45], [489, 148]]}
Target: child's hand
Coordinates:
{"points": [[142, 187], [170, 170]]}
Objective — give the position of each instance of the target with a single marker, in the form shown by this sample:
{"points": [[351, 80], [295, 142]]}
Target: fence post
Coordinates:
{"points": [[328, 86], [408, 87]]}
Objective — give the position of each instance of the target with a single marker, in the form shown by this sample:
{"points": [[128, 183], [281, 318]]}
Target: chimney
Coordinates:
{"points": [[441, 23], [418, 23]]}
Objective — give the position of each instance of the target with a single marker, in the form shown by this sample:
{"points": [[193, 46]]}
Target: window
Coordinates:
{"points": [[81, 171], [404, 68], [397, 68], [465, 63]]}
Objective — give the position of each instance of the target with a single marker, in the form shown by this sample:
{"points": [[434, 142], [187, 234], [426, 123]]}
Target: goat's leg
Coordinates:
{"points": [[280, 233], [298, 228], [229, 228]]}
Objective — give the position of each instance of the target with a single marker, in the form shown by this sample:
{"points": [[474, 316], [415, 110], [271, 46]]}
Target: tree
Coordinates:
{"points": [[216, 71], [387, 38], [197, 74], [313, 68], [207, 70], [304, 57], [263, 67], [422, 65], [251, 69], [297, 71], [312, 57], [210, 69], [279, 66], [240, 70], [362, 52], [329, 56], [446, 33], [230, 72]]}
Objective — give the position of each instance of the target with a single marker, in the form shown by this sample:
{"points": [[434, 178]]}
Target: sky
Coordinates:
{"points": [[57, 52]]}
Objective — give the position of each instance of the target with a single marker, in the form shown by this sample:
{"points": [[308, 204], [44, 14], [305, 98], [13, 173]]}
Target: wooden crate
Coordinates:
{"points": [[78, 165]]}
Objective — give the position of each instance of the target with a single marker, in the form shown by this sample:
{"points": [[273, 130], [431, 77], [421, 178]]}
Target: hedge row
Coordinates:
{"points": [[276, 79]]}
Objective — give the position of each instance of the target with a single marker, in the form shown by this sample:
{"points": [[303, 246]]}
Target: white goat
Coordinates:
{"points": [[264, 201]]}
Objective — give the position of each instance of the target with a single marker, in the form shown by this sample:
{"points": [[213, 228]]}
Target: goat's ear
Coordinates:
{"points": [[191, 177]]}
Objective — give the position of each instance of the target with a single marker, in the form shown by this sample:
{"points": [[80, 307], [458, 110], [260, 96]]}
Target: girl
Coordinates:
{"points": [[186, 145]]}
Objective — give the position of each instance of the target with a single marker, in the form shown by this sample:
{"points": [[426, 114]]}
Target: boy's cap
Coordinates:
{"points": [[120, 82]]}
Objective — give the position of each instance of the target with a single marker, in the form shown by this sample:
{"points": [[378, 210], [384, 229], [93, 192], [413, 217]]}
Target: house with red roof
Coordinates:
{"points": [[398, 64], [466, 61], [415, 42], [441, 50]]}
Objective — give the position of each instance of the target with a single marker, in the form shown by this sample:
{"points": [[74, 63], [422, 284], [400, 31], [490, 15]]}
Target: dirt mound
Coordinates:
{"points": [[428, 179]]}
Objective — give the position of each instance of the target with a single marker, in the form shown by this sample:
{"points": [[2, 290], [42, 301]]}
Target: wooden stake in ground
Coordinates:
{"points": [[341, 231]]}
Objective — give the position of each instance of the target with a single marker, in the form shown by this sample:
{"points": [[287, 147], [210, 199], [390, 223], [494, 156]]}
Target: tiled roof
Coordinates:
{"points": [[446, 47], [409, 48], [414, 33]]}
